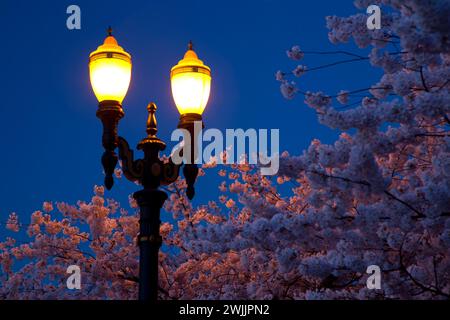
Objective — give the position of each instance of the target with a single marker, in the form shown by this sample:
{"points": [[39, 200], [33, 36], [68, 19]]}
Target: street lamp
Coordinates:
{"points": [[110, 70], [110, 74], [191, 84]]}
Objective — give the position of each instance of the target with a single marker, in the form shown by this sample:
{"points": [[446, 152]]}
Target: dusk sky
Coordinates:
{"points": [[51, 138]]}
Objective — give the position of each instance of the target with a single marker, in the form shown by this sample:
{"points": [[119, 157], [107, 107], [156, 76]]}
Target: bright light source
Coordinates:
{"points": [[191, 84], [110, 71]]}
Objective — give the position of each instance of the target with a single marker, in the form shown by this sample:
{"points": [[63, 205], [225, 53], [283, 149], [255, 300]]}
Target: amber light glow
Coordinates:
{"points": [[191, 84], [110, 71]]}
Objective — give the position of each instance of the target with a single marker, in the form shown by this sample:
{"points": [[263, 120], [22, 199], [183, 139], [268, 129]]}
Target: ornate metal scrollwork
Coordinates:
{"points": [[170, 172], [150, 171], [133, 170]]}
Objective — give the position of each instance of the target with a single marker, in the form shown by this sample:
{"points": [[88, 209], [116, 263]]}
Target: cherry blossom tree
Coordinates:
{"points": [[378, 196], [381, 193]]}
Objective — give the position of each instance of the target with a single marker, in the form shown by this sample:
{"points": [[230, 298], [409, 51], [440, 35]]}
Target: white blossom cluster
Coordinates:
{"points": [[380, 195]]}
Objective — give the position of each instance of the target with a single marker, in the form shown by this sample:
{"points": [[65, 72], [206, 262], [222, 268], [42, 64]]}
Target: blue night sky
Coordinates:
{"points": [[50, 136]]}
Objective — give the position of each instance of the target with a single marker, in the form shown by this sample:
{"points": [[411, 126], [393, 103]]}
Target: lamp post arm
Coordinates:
{"points": [[132, 169], [170, 172], [190, 172], [110, 113]]}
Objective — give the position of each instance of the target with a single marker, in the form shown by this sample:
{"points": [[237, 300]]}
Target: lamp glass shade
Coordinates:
{"points": [[110, 71], [191, 84]]}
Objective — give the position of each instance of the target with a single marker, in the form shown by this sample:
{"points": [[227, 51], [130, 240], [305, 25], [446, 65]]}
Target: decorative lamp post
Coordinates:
{"points": [[110, 74], [191, 84]]}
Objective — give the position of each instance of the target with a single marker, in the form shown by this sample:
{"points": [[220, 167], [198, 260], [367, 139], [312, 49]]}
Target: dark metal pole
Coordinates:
{"points": [[149, 240]]}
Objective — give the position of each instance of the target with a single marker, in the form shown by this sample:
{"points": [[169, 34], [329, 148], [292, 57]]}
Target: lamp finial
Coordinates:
{"points": [[110, 30], [151, 122], [190, 46]]}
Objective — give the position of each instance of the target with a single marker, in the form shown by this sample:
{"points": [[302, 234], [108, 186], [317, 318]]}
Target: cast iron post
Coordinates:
{"points": [[150, 203], [150, 172]]}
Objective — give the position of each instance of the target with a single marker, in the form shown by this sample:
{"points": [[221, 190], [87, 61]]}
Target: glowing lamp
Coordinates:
{"points": [[110, 71], [191, 84]]}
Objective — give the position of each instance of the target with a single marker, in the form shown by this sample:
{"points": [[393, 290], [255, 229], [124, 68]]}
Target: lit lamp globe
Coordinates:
{"points": [[110, 72], [191, 85]]}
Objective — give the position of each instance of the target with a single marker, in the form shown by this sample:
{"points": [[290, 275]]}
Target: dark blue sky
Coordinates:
{"points": [[50, 136]]}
